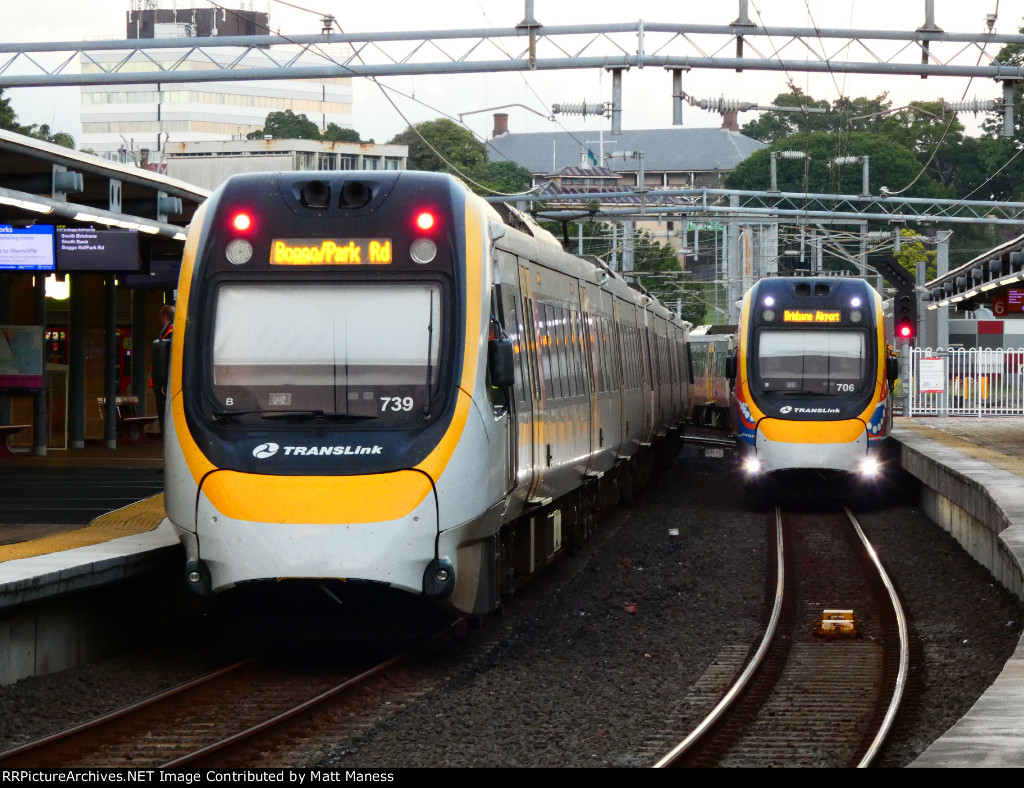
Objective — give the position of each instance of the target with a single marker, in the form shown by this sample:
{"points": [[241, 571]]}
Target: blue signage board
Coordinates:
{"points": [[26, 248]]}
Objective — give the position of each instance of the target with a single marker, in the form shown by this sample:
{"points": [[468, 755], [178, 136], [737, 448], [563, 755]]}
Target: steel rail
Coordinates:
{"points": [[752, 667], [904, 668]]}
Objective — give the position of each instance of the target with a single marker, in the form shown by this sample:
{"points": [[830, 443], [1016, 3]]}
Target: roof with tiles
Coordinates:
{"points": [[674, 149]]}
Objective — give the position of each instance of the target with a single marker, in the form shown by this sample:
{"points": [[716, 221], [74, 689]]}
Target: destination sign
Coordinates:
{"points": [[811, 316], [330, 251]]}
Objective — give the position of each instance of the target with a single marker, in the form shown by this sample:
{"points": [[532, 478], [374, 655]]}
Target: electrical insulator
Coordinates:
{"points": [[722, 104], [975, 106], [581, 108]]}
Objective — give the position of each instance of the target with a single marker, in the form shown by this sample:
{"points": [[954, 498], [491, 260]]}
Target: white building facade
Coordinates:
{"points": [[120, 121], [208, 164]]}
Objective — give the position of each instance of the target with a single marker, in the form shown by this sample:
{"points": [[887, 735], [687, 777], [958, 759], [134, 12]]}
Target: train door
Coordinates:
{"points": [[527, 385], [506, 309]]}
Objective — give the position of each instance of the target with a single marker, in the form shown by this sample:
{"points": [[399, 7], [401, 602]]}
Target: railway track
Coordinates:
{"points": [[219, 719], [822, 688]]}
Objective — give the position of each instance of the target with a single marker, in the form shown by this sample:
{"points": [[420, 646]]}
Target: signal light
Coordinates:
{"points": [[906, 316], [425, 220], [241, 221]]}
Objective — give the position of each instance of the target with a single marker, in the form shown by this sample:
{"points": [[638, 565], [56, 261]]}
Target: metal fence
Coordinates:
{"points": [[962, 382]]}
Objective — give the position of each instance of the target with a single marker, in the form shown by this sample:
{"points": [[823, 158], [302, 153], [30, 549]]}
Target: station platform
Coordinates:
{"points": [[972, 470]]}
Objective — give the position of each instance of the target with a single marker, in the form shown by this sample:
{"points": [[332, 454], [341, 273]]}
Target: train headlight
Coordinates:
{"points": [[752, 465], [768, 315], [856, 316], [239, 251], [870, 467], [423, 250]]}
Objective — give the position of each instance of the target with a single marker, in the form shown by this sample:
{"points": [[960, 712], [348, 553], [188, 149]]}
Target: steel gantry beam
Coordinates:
{"points": [[766, 205], [740, 45]]}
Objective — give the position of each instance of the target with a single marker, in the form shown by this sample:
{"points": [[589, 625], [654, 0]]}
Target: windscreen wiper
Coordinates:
{"points": [[300, 415]]}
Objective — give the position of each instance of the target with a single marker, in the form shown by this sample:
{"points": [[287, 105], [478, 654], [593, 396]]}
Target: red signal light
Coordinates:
{"points": [[241, 221], [906, 331], [425, 220]]}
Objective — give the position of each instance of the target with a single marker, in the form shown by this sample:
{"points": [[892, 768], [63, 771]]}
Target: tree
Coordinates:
{"points": [[913, 254], [286, 126], [773, 125], [502, 177], [43, 132], [889, 164], [8, 118], [335, 133], [442, 146]]}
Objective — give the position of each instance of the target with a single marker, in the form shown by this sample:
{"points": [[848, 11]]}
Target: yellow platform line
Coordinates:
{"points": [[136, 518]]}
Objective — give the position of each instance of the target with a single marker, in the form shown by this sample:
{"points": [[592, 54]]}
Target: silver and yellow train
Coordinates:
{"points": [[381, 381], [813, 377]]}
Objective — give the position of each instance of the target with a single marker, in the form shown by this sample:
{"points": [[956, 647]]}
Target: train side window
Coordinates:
{"points": [[514, 326], [590, 351], [532, 341], [544, 349], [616, 359], [563, 352], [558, 359], [581, 352]]}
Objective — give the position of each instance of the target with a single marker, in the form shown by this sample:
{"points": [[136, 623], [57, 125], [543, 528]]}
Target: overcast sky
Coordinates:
{"points": [[646, 92]]}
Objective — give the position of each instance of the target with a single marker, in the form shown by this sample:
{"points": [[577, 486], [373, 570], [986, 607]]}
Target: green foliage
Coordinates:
{"points": [[913, 254], [335, 133], [501, 177], [442, 146], [286, 126], [43, 132], [9, 121], [8, 118], [889, 164], [773, 126]]}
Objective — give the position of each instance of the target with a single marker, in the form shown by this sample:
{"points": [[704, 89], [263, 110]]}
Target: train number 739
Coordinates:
{"points": [[395, 404]]}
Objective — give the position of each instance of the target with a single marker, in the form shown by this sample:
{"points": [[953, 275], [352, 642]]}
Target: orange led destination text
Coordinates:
{"points": [[307, 251], [818, 316]]}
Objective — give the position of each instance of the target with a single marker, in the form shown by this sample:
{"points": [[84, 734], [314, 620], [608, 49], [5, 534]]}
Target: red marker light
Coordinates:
{"points": [[241, 221], [425, 220]]}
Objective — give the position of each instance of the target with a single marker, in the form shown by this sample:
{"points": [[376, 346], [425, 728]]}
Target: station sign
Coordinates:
{"points": [[26, 248]]}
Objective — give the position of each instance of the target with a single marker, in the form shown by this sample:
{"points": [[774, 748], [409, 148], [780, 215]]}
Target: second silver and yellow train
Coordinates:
{"points": [[813, 377]]}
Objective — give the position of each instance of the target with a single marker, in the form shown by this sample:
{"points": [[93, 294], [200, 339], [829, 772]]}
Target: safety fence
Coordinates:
{"points": [[963, 382]]}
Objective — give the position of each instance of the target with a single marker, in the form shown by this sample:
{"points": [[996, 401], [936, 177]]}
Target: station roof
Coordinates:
{"points": [[1000, 267], [43, 182]]}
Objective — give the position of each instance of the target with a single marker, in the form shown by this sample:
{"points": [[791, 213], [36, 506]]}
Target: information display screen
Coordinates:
{"points": [[26, 248], [83, 249]]}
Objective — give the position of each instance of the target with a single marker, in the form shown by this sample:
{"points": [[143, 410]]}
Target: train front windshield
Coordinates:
{"points": [[355, 350], [821, 361]]}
